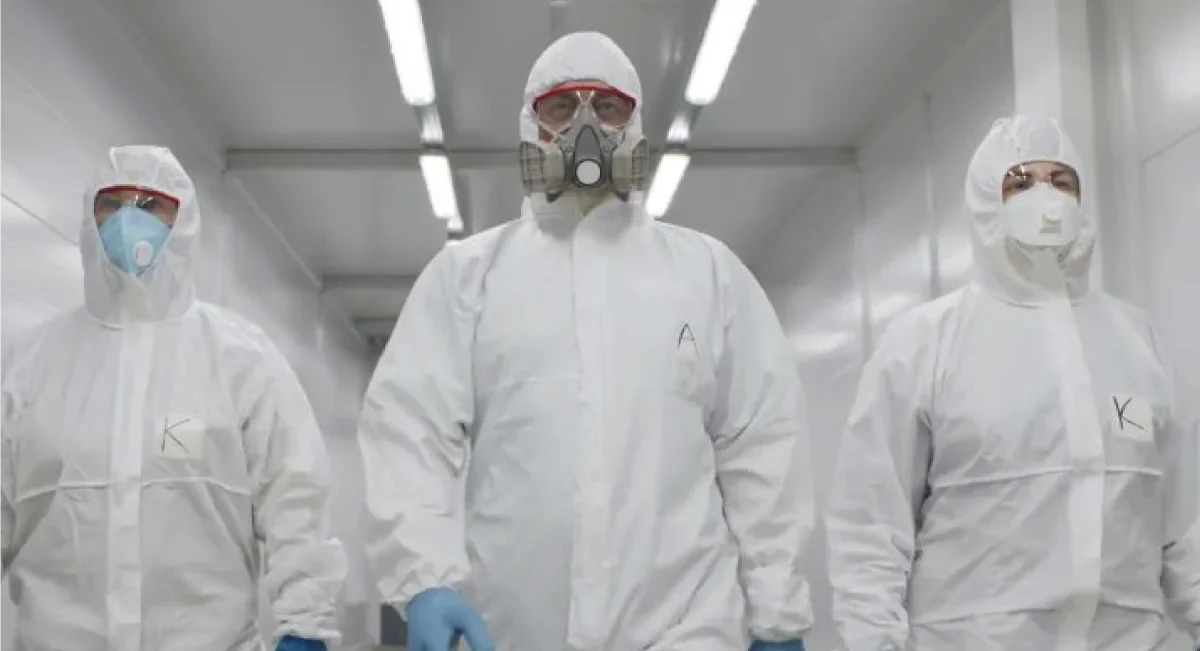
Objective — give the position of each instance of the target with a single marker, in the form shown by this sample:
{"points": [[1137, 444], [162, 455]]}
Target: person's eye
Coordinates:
{"points": [[1065, 181], [150, 205]]}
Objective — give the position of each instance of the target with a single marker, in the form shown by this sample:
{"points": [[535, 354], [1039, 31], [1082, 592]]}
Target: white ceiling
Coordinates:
{"points": [[314, 74]]}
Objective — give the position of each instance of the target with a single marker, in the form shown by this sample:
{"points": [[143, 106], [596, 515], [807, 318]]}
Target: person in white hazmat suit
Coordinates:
{"points": [[151, 443], [1017, 472], [633, 416]]}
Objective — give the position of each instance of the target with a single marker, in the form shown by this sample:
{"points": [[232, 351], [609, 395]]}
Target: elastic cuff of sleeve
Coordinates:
{"points": [[778, 610]]}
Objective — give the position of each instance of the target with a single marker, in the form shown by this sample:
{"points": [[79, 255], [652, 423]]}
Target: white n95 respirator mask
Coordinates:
{"points": [[587, 149], [1042, 217]]}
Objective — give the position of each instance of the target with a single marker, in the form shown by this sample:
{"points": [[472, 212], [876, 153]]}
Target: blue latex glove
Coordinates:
{"points": [[438, 617], [289, 643], [793, 645]]}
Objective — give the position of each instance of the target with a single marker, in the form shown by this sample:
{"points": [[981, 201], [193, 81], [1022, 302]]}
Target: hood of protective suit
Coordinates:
{"points": [[582, 56], [1004, 266], [167, 289]]}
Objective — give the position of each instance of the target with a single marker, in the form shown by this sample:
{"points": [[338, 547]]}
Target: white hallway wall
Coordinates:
{"points": [[76, 80], [869, 243], [872, 242], [1148, 101], [1148, 90]]}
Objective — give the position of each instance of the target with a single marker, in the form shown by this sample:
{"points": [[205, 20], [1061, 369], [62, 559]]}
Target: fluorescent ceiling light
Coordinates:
{"points": [[410, 53], [681, 129], [431, 126], [721, 37], [667, 177], [455, 225], [439, 182]]}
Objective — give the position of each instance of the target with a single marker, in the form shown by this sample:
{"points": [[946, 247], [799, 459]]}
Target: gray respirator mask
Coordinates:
{"points": [[585, 156]]}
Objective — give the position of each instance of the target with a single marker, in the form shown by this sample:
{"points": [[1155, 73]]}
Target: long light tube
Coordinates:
{"points": [[410, 52], [680, 130], [431, 126], [725, 27], [439, 183], [666, 181]]}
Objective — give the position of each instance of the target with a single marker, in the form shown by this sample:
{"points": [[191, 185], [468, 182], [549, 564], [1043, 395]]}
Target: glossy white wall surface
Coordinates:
{"points": [[868, 244], [75, 82], [1149, 97]]}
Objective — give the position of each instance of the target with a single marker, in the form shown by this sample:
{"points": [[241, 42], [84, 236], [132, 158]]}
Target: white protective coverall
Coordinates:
{"points": [[151, 443], [634, 420], [1016, 473]]}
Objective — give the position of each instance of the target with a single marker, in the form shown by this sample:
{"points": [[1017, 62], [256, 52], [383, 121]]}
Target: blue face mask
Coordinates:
{"points": [[133, 238]]}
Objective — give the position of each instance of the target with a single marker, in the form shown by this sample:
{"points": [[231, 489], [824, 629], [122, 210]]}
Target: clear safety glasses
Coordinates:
{"points": [[559, 107], [1024, 176], [160, 204]]}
